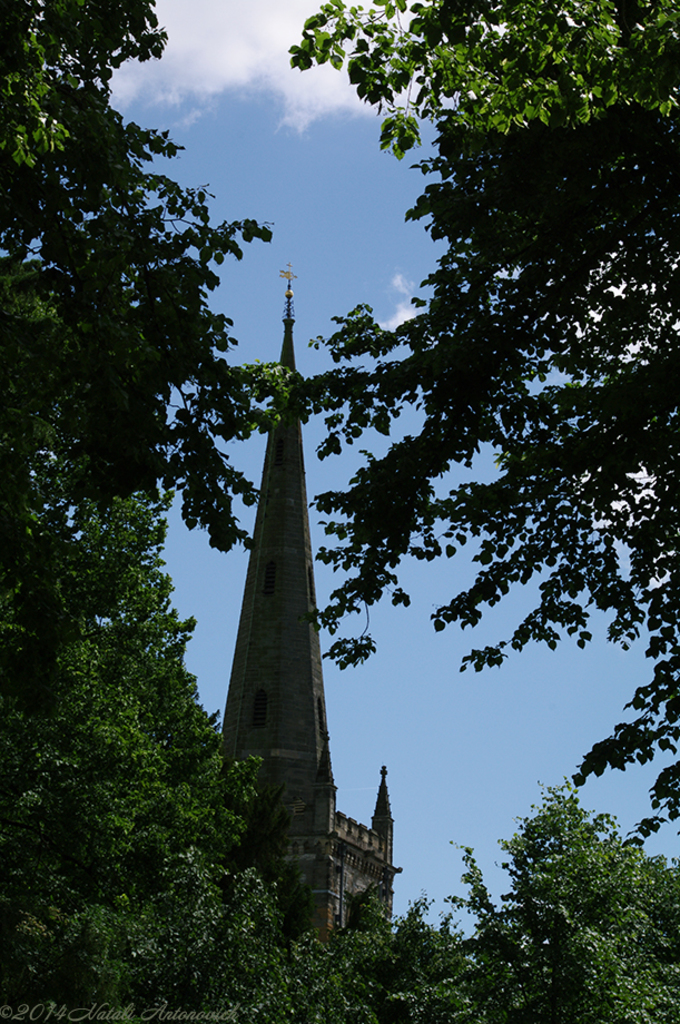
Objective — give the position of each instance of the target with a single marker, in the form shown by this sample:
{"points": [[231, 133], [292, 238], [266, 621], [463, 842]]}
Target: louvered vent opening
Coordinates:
{"points": [[269, 577], [278, 452], [310, 584], [260, 710]]}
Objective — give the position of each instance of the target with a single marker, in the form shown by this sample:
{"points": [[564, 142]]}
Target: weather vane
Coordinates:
{"points": [[289, 312], [288, 274]]}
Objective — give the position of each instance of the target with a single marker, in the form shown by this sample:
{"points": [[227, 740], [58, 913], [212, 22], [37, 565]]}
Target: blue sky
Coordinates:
{"points": [[467, 752]]}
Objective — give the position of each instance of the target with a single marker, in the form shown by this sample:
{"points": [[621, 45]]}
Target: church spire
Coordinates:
{"points": [[276, 707], [275, 704]]}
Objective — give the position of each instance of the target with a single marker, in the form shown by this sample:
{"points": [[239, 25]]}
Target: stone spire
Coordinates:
{"points": [[275, 705], [382, 821]]}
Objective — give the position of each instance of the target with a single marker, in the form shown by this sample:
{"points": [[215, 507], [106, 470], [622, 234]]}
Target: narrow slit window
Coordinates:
{"points": [[269, 577], [322, 720], [260, 710], [278, 452], [310, 584]]}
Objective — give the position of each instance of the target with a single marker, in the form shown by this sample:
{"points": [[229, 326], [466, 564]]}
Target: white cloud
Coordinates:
{"points": [[402, 284], [404, 310], [402, 313], [220, 45]]}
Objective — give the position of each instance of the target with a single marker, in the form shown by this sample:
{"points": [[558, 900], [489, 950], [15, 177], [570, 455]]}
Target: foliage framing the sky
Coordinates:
{"points": [[112, 358], [551, 336]]}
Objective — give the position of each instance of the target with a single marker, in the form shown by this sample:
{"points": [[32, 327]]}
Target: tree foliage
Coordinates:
{"points": [[264, 846], [498, 65], [104, 797], [124, 265], [588, 931], [111, 355], [120, 877], [550, 339]]}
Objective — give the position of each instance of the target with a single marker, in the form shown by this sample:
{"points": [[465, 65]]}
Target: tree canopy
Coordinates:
{"points": [[587, 931], [550, 339], [135, 864], [114, 796], [120, 342], [111, 357]]}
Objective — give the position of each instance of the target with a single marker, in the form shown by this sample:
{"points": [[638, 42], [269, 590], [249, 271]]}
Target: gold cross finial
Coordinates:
{"points": [[288, 274]]}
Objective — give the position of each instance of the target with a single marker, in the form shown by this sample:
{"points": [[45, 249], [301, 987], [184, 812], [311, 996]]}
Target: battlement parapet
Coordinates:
{"points": [[354, 832]]}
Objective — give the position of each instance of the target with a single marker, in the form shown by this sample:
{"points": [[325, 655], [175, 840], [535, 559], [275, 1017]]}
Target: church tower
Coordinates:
{"points": [[276, 707]]}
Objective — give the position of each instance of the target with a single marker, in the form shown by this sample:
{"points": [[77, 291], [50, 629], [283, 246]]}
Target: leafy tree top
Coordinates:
{"points": [[586, 932], [497, 65], [112, 358], [550, 340]]}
